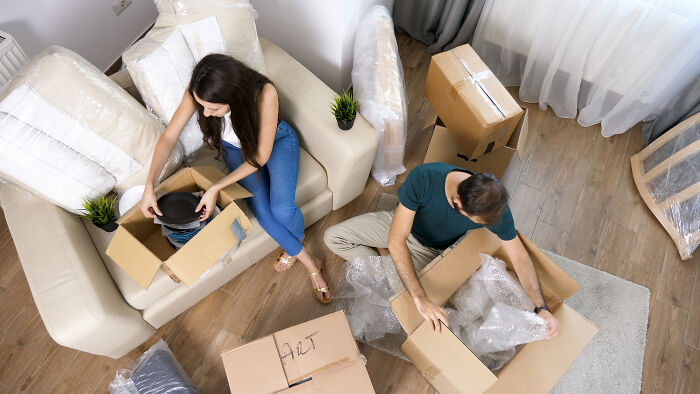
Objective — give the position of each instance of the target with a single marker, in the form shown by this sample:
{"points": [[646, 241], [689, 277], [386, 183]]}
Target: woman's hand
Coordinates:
{"points": [[149, 204], [207, 204]]}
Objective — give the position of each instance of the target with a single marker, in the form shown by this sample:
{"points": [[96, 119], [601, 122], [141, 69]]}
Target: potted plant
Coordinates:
{"points": [[344, 108], [101, 212]]}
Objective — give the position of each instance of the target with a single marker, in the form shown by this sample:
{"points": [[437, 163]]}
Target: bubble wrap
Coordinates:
{"points": [[492, 315], [369, 282]]}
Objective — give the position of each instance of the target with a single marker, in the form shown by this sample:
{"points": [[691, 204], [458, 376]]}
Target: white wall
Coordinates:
{"points": [[88, 27], [318, 33]]}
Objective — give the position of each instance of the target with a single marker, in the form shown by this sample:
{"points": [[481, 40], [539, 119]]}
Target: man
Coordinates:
{"points": [[438, 203]]}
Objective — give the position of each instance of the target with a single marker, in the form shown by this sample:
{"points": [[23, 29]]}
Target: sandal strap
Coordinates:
{"points": [[285, 261]]}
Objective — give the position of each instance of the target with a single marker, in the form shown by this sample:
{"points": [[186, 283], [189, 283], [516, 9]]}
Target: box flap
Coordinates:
{"points": [[195, 257], [181, 181], [550, 275], [444, 360], [254, 367], [133, 257], [444, 275], [317, 345], [444, 148], [523, 128], [350, 378], [539, 365], [205, 176]]}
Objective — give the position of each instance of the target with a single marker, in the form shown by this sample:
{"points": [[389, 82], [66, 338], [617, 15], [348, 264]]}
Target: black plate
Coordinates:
{"points": [[178, 208]]}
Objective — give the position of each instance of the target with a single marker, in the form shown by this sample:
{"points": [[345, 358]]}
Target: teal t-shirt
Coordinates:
{"points": [[436, 223]]}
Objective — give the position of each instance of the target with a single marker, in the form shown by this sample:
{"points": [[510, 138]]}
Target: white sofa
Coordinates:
{"points": [[89, 303]]}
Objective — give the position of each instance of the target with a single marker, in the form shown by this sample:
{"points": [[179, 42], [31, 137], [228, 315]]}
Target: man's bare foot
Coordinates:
{"points": [[285, 262], [383, 251]]}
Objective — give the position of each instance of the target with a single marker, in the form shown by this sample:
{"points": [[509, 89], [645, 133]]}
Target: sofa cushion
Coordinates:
{"points": [[161, 63], [68, 132], [311, 183]]}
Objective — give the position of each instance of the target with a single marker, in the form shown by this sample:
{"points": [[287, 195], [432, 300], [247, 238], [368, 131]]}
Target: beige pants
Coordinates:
{"points": [[359, 235]]}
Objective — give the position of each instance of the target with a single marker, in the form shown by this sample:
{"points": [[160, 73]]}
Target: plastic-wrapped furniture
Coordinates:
{"points": [[377, 77], [88, 303], [667, 174]]}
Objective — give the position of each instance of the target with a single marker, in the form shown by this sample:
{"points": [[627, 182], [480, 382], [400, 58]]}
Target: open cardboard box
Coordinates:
{"points": [[318, 356], [140, 249], [478, 110], [450, 366], [444, 148]]}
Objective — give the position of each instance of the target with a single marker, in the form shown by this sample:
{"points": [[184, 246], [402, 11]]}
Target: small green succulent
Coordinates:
{"points": [[344, 107], [100, 210]]}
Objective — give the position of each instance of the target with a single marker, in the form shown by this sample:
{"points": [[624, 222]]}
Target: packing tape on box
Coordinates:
{"points": [[475, 79]]}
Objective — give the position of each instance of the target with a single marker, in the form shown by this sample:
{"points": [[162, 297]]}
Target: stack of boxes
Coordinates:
{"points": [[480, 126]]}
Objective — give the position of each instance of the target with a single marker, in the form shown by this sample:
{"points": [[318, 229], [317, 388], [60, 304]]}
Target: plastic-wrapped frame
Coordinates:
{"points": [[157, 371], [378, 84], [68, 132], [667, 175]]}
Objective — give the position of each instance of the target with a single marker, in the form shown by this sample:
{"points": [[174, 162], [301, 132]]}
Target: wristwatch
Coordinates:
{"points": [[538, 309]]}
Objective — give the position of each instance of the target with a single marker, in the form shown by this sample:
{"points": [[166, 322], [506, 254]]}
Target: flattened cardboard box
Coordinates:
{"points": [[318, 356], [450, 366], [476, 108], [141, 250], [444, 148]]}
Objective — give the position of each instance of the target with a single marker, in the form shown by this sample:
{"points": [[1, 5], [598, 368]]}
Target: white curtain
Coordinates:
{"points": [[614, 62]]}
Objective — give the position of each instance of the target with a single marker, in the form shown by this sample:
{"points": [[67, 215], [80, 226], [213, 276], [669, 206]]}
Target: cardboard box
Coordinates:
{"points": [[475, 106], [444, 148], [450, 366], [140, 249], [319, 356]]}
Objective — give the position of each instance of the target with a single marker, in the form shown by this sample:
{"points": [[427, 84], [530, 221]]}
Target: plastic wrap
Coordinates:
{"points": [[68, 132], [378, 84], [493, 314], [667, 174], [161, 63], [157, 371], [490, 312]]}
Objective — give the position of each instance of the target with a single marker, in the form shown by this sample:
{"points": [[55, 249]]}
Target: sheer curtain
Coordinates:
{"points": [[614, 62]]}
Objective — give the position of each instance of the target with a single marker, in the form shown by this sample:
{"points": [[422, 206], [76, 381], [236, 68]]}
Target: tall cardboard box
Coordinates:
{"points": [[450, 366], [476, 108], [141, 250], [319, 356], [443, 148]]}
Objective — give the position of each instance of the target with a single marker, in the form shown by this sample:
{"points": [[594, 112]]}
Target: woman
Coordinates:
{"points": [[237, 110]]}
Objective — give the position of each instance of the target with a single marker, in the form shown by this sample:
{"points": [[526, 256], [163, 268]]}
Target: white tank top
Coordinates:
{"points": [[228, 134]]}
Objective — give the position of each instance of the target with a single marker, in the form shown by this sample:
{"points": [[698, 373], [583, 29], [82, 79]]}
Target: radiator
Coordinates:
{"points": [[12, 57]]}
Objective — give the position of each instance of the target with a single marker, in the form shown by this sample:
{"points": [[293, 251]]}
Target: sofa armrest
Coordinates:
{"points": [[76, 298], [347, 156]]}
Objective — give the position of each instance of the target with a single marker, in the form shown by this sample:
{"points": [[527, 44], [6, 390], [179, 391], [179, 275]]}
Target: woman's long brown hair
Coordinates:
{"points": [[222, 79]]}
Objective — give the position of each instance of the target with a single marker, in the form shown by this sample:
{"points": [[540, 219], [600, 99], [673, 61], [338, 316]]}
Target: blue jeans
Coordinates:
{"points": [[273, 194]]}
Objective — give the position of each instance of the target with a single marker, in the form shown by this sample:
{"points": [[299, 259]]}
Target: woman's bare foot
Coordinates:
{"points": [[318, 281], [285, 262]]}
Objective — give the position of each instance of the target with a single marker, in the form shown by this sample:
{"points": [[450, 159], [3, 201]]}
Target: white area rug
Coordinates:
{"points": [[612, 362]]}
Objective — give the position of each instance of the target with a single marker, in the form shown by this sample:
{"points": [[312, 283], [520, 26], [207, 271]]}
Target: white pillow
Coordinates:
{"points": [[68, 132], [161, 72], [161, 66]]}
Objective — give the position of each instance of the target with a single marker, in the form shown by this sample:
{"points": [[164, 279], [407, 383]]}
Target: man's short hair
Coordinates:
{"points": [[483, 196]]}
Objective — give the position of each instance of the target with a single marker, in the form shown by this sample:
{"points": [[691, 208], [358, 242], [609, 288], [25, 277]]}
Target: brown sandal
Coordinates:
{"points": [[320, 289]]}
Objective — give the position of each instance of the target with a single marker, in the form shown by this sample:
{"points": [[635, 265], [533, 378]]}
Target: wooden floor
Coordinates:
{"points": [[573, 195]]}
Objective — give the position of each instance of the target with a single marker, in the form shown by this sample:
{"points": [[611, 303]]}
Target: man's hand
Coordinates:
{"points": [[431, 312], [552, 323]]}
